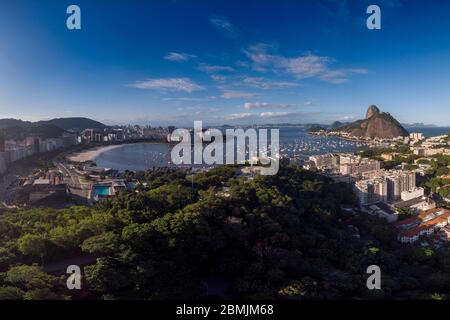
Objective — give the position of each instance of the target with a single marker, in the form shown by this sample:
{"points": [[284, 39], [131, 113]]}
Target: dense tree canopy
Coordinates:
{"points": [[217, 234]]}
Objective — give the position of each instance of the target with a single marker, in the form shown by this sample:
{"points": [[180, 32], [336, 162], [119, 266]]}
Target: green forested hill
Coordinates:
{"points": [[19, 130], [23, 131], [278, 237], [75, 123]]}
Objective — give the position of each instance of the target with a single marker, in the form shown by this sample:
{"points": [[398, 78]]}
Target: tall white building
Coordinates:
{"points": [[386, 186], [399, 181], [365, 165], [412, 194], [372, 190], [325, 161], [416, 136]]}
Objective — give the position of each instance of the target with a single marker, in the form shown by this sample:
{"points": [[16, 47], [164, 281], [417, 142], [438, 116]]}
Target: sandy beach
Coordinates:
{"points": [[90, 155]]}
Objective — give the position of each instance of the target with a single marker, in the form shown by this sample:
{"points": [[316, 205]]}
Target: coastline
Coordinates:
{"points": [[91, 154]]}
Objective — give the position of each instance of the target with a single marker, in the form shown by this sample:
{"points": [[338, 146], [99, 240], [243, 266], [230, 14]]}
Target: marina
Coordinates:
{"points": [[295, 143]]}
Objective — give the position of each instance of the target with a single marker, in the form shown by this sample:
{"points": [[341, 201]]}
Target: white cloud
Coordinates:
{"points": [[190, 99], [263, 83], [224, 25], [272, 114], [301, 67], [219, 78], [212, 68], [264, 116], [178, 57], [239, 116], [265, 105], [237, 95], [334, 76], [309, 103], [346, 118], [359, 71], [169, 84]]}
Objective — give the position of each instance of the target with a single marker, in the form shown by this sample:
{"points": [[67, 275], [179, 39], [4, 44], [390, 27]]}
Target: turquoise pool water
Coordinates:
{"points": [[102, 191]]}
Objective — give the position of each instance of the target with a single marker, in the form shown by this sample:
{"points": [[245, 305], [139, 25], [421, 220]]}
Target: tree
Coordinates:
{"points": [[29, 277], [11, 293], [34, 245]]}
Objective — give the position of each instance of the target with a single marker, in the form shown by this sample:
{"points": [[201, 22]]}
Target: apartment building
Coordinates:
{"points": [[372, 190], [416, 136], [325, 161], [407, 195], [365, 165], [386, 186], [399, 181]]}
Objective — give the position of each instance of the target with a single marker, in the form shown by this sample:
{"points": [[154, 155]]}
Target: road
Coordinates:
{"points": [[80, 191]]}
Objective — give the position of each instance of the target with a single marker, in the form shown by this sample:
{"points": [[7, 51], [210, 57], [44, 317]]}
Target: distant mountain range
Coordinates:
{"points": [[377, 124], [419, 125], [18, 129]]}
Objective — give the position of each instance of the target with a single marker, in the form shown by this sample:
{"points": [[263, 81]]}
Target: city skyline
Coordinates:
{"points": [[164, 63]]}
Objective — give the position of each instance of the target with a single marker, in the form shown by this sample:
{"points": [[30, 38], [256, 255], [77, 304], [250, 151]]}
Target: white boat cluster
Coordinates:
{"points": [[307, 146]]}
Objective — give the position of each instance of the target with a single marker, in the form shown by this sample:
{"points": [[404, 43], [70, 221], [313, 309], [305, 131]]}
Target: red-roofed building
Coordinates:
{"points": [[425, 224]]}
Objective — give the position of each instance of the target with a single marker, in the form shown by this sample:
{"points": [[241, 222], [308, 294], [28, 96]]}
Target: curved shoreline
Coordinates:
{"points": [[91, 154]]}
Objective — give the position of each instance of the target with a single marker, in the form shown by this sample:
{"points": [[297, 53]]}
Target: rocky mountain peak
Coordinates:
{"points": [[372, 110], [377, 124]]}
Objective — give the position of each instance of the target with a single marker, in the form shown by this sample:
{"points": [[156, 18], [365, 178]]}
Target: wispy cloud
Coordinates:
{"points": [[346, 118], [272, 114], [263, 83], [168, 84], [309, 103], [237, 95], [224, 25], [219, 78], [301, 67], [213, 68], [265, 105], [178, 56], [239, 116], [189, 99]]}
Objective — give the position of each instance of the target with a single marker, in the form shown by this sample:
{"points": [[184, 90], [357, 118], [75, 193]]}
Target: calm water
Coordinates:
{"points": [[431, 132], [135, 157], [294, 142]]}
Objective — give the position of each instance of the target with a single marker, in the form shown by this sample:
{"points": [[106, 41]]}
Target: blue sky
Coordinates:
{"points": [[172, 62]]}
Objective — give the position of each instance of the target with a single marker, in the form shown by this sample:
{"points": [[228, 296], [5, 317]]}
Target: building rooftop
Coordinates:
{"points": [[439, 215], [409, 203], [41, 181], [424, 216]]}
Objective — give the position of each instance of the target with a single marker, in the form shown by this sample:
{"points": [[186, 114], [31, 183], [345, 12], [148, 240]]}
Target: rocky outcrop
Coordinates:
{"points": [[373, 110], [377, 124]]}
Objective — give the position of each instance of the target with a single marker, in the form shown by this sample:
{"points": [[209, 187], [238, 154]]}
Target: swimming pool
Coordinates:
{"points": [[102, 191]]}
